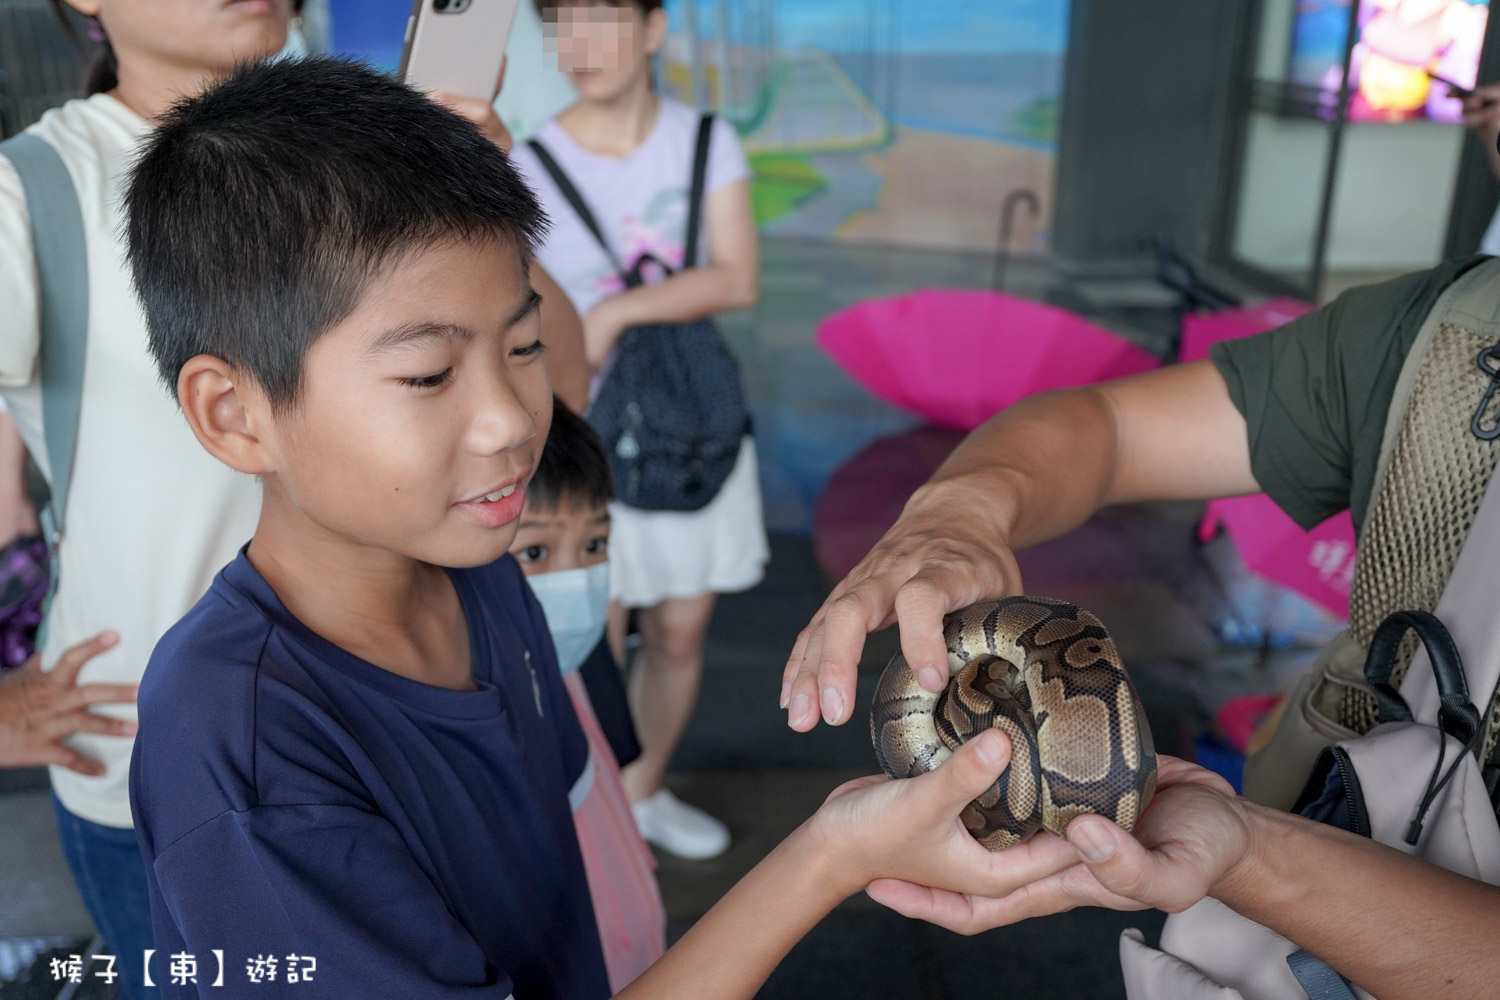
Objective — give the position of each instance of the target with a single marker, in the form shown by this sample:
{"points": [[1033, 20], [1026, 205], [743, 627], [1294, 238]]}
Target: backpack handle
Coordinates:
{"points": [[1457, 715]]}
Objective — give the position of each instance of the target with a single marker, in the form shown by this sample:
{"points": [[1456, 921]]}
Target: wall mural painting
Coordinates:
{"points": [[888, 121], [883, 121]]}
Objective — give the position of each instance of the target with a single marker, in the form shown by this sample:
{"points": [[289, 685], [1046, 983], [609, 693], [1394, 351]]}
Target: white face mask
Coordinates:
{"points": [[576, 603]]}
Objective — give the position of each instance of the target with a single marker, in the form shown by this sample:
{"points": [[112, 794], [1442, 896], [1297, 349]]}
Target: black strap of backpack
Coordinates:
{"points": [[576, 200], [695, 200], [695, 193]]}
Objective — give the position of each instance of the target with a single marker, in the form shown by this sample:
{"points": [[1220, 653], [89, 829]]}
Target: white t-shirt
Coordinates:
{"points": [[151, 515], [640, 201]]}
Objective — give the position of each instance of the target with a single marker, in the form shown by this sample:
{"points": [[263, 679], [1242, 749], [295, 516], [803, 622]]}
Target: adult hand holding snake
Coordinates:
{"points": [[1193, 841], [1035, 471]]}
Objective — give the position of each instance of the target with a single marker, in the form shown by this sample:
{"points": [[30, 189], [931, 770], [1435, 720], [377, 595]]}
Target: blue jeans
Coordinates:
{"points": [[106, 864]]}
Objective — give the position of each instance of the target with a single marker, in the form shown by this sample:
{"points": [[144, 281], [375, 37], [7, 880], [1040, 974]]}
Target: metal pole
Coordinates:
{"points": [[1330, 178]]}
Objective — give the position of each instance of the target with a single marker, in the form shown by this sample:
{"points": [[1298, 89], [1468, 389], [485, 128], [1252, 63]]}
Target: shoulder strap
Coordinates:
{"points": [[580, 207], [62, 266], [695, 193]]}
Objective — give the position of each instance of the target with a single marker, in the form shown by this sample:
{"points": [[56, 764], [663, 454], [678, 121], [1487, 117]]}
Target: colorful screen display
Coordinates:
{"points": [[1399, 46]]}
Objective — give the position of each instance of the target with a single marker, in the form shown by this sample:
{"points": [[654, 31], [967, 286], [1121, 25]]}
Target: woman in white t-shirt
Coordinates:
{"points": [[151, 515], [629, 152]]}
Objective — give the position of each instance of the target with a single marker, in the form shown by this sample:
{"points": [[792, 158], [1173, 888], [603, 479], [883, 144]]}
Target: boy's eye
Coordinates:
{"points": [[428, 381], [530, 350], [596, 545], [533, 553]]}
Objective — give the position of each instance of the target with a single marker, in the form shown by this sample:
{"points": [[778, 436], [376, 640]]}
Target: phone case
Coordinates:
{"points": [[457, 45]]}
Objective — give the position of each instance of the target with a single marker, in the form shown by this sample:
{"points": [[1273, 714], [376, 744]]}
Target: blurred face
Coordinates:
{"points": [[209, 36], [421, 415], [574, 535], [605, 50]]}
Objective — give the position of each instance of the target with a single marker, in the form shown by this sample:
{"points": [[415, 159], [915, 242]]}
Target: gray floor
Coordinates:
{"points": [[1170, 602]]}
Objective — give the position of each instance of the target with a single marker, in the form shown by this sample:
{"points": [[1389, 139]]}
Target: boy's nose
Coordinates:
{"points": [[499, 419]]}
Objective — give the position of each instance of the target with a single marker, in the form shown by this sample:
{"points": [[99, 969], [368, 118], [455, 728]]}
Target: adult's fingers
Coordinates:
{"points": [[57, 755], [96, 694], [825, 673], [75, 656], [1124, 867], [952, 910], [965, 913], [87, 722], [920, 606], [1063, 885], [75, 760], [794, 661]]}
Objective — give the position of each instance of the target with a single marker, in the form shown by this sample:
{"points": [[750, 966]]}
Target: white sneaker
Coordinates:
{"points": [[680, 829]]}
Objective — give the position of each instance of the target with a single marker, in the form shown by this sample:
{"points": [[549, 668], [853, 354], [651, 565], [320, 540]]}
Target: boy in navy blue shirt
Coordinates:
{"points": [[357, 761]]}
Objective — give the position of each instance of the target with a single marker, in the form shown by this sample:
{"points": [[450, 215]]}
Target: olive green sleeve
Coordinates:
{"points": [[1316, 391]]}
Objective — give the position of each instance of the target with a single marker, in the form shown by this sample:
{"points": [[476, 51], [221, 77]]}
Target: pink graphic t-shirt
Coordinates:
{"points": [[640, 201]]}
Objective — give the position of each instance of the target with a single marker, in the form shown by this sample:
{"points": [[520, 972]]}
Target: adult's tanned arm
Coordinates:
{"points": [[1035, 471]]}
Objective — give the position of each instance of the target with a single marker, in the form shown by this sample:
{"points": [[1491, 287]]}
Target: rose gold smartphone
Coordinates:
{"points": [[457, 45]]}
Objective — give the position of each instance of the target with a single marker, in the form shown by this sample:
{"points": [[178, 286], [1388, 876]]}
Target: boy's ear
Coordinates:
{"points": [[228, 414]]}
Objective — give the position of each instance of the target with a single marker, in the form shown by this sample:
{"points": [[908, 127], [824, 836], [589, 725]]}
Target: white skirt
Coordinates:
{"points": [[721, 549]]}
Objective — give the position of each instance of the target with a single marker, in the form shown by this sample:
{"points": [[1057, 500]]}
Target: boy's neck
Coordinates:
{"points": [[614, 128], [395, 612]]}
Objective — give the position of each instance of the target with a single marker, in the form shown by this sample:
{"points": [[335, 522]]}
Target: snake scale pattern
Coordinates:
{"points": [[1047, 674]]}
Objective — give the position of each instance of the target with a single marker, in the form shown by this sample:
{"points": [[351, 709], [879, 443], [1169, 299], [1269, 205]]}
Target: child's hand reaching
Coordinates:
{"points": [[875, 828]]}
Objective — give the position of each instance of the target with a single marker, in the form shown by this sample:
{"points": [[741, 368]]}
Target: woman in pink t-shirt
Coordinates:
{"points": [[629, 152]]}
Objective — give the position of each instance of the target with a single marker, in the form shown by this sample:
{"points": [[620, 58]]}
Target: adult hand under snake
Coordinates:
{"points": [[1193, 841]]}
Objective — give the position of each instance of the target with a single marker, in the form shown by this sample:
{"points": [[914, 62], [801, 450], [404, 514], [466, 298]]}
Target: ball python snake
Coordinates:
{"points": [[1047, 674]]}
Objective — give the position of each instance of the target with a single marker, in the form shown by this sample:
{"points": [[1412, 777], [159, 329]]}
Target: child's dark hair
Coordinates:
{"points": [[644, 6], [260, 210], [573, 466]]}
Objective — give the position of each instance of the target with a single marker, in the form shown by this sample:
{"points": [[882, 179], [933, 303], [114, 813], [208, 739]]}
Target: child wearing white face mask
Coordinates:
{"points": [[562, 544]]}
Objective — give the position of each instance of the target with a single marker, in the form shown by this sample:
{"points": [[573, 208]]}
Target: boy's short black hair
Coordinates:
{"points": [[573, 466], [261, 209]]}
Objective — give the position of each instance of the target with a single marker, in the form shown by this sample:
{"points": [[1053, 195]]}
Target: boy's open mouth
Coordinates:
{"points": [[498, 506], [499, 494]]}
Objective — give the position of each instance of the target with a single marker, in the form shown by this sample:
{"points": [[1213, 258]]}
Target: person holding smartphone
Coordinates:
{"points": [[152, 516], [629, 152]]}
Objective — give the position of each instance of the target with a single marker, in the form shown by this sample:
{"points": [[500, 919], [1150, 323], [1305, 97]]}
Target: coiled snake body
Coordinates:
{"points": [[1047, 674]]}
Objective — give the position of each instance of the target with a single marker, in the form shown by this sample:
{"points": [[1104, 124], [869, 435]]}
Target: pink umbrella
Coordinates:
{"points": [[957, 358], [1318, 564]]}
